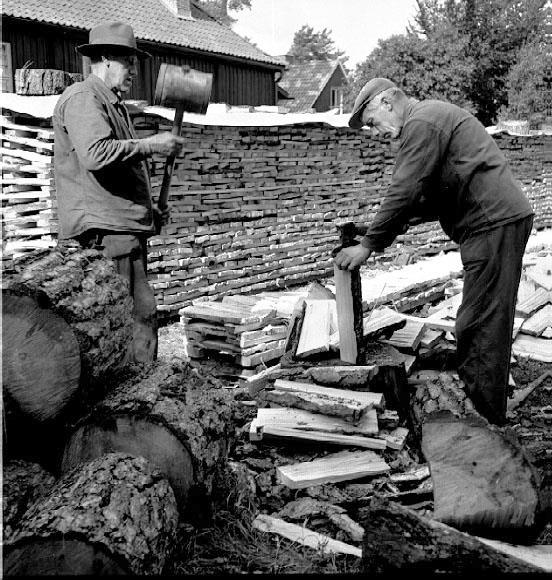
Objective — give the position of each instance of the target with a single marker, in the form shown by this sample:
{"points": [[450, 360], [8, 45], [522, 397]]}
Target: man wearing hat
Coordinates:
{"points": [[449, 168], [102, 179]]}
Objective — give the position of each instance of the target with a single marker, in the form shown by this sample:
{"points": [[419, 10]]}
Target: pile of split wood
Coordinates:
{"points": [[29, 219], [101, 458], [456, 490]]}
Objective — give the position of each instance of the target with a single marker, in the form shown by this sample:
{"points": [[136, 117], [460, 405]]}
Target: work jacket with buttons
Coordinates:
{"points": [[447, 168]]}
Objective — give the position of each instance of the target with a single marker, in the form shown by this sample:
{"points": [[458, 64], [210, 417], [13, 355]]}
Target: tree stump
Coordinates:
{"points": [[482, 479], [43, 81], [67, 324], [114, 515], [22, 484], [177, 418], [398, 538]]}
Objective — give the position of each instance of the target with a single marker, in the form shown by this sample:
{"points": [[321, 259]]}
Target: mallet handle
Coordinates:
{"points": [[169, 164]]}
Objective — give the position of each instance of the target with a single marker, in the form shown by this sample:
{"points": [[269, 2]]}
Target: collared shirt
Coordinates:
{"points": [[102, 179], [447, 167]]}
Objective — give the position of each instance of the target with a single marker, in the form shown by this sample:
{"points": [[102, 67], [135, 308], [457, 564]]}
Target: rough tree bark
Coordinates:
{"points": [[67, 323], [114, 515], [43, 81], [482, 478], [22, 484], [171, 414], [398, 538]]}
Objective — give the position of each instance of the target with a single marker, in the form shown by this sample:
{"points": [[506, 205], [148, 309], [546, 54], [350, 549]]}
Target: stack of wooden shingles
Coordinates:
{"points": [[248, 330], [428, 336], [29, 218], [534, 339]]}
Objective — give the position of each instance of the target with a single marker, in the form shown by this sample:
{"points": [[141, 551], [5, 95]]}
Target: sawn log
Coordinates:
{"points": [[112, 516]]}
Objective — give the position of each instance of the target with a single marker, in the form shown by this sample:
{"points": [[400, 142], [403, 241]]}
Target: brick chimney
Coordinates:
{"points": [[181, 8]]}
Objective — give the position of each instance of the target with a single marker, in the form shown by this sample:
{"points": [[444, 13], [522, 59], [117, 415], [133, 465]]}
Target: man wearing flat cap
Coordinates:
{"points": [[449, 168], [102, 178]]}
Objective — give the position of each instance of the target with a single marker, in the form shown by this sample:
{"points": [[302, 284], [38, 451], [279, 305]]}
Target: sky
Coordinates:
{"points": [[355, 25]]}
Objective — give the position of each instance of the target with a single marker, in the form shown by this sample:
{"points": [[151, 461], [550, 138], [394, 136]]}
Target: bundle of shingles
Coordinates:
{"points": [[429, 336], [247, 330], [29, 219]]}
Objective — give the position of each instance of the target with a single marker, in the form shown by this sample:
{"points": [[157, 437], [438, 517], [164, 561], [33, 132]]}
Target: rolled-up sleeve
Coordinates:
{"points": [[417, 162], [91, 134]]}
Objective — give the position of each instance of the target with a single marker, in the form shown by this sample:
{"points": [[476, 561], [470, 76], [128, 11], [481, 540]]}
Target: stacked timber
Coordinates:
{"points": [[29, 218], [247, 330]]}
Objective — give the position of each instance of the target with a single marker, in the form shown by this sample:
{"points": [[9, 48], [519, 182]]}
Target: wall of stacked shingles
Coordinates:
{"points": [[256, 208]]}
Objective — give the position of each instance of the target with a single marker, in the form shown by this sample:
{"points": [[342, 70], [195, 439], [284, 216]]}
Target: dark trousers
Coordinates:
{"points": [[492, 263], [128, 252]]}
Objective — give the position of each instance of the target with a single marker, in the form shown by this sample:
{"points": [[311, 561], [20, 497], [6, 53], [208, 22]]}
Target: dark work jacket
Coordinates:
{"points": [[449, 168], [102, 179]]}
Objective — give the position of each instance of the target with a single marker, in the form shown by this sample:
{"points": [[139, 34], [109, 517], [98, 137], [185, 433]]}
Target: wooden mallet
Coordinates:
{"points": [[185, 89]]}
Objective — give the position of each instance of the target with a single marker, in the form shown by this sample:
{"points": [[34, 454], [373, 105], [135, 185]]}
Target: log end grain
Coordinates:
{"points": [[481, 478], [40, 358]]}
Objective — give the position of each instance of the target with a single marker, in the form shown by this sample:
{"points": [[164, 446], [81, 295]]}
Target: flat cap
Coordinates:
{"points": [[372, 88]]}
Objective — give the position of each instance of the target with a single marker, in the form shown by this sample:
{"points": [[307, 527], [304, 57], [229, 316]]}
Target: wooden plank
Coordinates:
{"points": [[395, 439], [342, 466], [536, 324], [539, 555], [28, 142], [348, 311], [303, 536], [217, 312], [343, 376], [307, 421], [364, 397], [539, 298], [258, 432], [27, 155], [315, 330], [413, 475], [381, 318], [409, 336], [533, 347]]}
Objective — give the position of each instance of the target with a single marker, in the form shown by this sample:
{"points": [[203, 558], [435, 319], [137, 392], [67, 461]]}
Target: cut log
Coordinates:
{"points": [[114, 515], [23, 483], [171, 414], [43, 81], [303, 536], [67, 324], [481, 476], [348, 295], [397, 538], [342, 466]]}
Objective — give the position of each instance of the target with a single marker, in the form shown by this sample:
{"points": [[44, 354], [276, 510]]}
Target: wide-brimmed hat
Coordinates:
{"points": [[371, 89], [116, 35]]}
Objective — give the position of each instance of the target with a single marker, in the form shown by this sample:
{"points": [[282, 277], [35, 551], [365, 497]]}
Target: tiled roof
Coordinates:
{"points": [[151, 20], [305, 81]]}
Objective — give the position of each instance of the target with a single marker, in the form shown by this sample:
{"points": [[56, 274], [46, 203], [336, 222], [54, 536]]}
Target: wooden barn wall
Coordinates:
{"points": [[323, 103], [43, 46], [48, 46]]}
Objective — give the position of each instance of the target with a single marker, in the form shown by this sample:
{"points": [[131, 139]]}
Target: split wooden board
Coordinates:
{"points": [[258, 432], [304, 536], [342, 466], [307, 421], [533, 347], [315, 330]]}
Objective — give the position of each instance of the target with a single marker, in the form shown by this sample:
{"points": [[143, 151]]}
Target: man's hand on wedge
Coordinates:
{"points": [[352, 257]]}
